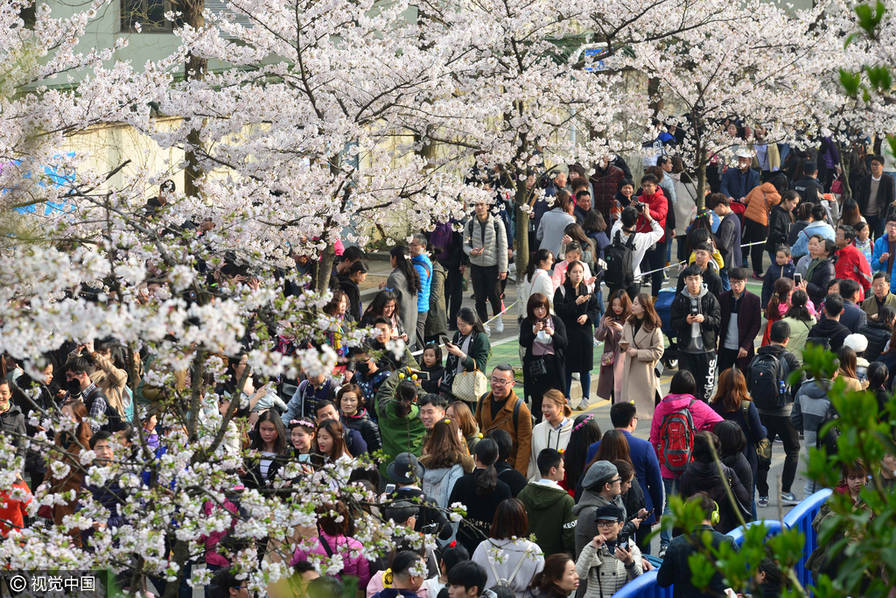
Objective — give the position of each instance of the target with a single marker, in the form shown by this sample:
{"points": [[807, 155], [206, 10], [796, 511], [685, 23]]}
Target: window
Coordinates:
{"points": [[150, 14]]}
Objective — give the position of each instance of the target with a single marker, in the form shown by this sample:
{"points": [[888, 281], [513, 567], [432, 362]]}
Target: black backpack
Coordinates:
{"points": [[767, 382], [620, 273]]}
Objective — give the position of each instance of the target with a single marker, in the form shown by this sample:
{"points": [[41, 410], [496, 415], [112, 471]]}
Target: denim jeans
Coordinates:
{"points": [[670, 487]]}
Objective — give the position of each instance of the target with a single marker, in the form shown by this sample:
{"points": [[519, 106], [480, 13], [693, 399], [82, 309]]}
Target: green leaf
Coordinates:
{"points": [[880, 78], [869, 18]]}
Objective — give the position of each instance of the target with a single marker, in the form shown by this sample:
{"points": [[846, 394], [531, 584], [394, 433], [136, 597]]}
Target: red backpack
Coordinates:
{"points": [[677, 438]]}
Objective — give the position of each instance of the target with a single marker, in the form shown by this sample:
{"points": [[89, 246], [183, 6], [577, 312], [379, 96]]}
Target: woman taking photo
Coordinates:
{"points": [[405, 283], [558, 579], [820, 270], [642, 341], [445, 459], [612, 361], [577, 307], [507, 555], [481, 492], [554, 431], [537, 280], [543, 338], [468, 351]]}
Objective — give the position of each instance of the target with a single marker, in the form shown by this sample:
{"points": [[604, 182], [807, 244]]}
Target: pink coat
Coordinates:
{"points": [[350, 549], [703, 415], [212, 556]]}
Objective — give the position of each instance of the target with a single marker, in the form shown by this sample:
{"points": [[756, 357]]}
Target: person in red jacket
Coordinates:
{"points": [[652, 195], [14, 503], [851, 262]]}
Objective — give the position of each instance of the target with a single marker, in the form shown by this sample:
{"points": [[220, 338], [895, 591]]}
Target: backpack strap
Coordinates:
{"points": [[325, 545], [516, 413]]}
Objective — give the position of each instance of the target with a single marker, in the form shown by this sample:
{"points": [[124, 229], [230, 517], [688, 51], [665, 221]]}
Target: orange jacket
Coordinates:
{"points": [[757, 211]]}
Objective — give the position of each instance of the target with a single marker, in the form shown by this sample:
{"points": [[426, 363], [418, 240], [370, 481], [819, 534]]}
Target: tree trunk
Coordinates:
{"points": [[323, 268], [521, 249], [653, 96], [194, 70]]}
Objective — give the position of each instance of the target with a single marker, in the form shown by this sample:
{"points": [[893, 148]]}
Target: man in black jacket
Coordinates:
{"points": [[808, 186], [741, 321], [727, 235], [829, 330], [676, 569], [780, 221], [876, 191], [696, 317]]}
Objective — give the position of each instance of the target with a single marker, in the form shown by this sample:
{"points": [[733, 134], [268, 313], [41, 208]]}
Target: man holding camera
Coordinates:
{"points": [[625, 234], [696, 317]]}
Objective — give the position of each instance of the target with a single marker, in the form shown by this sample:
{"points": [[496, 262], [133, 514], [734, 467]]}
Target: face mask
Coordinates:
{"points": [[73, 386]]}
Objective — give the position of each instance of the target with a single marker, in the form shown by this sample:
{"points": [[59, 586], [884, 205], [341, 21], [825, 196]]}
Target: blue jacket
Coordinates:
{"points": [[881, 247], [737, 184], [423, 265], [647, 472], [819, 227]]}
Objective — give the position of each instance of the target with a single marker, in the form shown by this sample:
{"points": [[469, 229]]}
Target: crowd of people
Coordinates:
{"points": [[553, 504]]}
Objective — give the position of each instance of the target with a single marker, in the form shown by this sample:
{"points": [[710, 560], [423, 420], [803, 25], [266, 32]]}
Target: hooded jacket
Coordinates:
{"points": [[706, 477], [438, 483], [851, 263], [370, 432], [790, 364], [708, 330], [550, 511], [810, 406], [544, 435], [780, 221], [423, 265], [658, 205], [399, 434], [702, 414]]}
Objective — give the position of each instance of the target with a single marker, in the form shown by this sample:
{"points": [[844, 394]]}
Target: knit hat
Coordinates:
{"points": [[405, 469], [856, 342], [609, 513], [599, 473]]}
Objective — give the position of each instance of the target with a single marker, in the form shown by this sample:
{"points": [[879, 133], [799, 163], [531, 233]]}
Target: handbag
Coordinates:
{"points": [[536, 368], [469, 386], [763, 446]]}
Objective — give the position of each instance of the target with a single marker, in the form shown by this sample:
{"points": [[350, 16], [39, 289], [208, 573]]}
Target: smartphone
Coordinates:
{"points": [[390, 488], [304, 458], [797, 278], [421, 375]]}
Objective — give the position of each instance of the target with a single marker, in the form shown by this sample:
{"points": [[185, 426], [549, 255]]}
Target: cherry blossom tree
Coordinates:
{"points": [[765, 67]]}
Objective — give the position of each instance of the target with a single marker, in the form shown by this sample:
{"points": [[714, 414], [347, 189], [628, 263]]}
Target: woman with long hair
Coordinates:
{"points": [[553, 431], [349, 281], [732, 401], [334, 537], [613, 446], [466, 422], [405, 283], [576, 305], [445, 459], [468, 351], [507, 554], [331, 442], [337, 308], [612, 360], [481, 492], [585, 432], [543, 339], [385, 305], [587, 246], [801, 320], [558, 579], [269, 441], [847, 370], [642, 341], [733, 442], [777, 305], [67, 449], [537, 279]]}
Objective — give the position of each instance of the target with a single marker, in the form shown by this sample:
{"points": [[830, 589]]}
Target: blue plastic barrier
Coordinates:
{"points": [[800, 517], [644, 586], [774, 527]]}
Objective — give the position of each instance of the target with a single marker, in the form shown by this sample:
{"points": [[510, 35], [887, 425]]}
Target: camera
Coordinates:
{"points": [[640, 206]]}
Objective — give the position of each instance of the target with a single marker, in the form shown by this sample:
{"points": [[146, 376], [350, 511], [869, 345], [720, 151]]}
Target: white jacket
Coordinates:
{"points": [[545, 436], [643, 242], [516, 561], [541, 283]]}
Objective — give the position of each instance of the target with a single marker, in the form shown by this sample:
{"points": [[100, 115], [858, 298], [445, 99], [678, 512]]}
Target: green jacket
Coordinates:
{"points": [[400, 434], [549, 508]]}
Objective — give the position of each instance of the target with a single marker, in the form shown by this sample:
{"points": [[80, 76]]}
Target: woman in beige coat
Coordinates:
{"points": [[642, 341]]}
